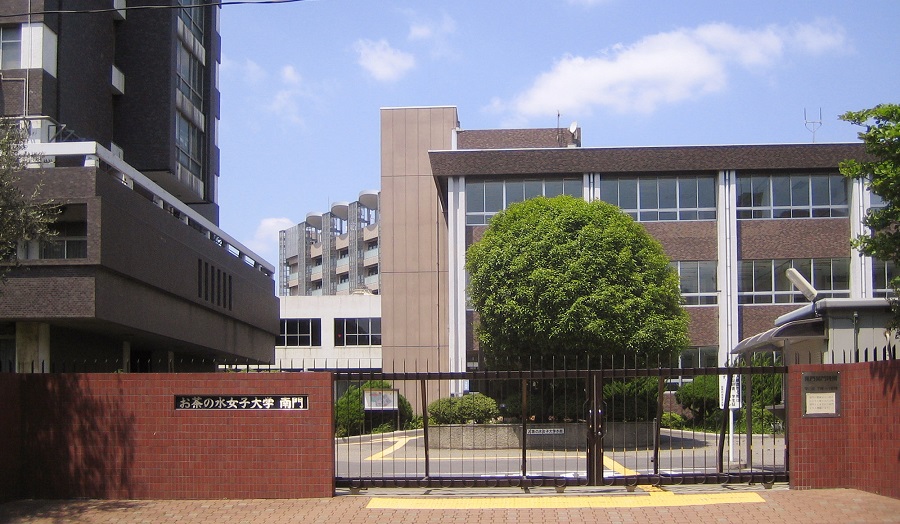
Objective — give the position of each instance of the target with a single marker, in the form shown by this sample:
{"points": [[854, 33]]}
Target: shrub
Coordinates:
{"points": [[671, 420], [350, 417], [441, 411], [477, 408], [473, 407], [701, 397]]}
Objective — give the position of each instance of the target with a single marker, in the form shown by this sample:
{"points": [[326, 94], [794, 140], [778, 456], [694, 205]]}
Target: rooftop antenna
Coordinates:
{"points": [[558, 132], [813, 125]]}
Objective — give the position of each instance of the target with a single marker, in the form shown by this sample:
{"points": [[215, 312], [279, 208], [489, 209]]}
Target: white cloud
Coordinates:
{"points": [[265, 239], [664, 68], [289, 75], [820, 37], [434, 33], [382, 61]]}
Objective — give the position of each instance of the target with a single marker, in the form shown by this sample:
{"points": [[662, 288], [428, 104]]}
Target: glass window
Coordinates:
{"points": [[882, 275], [357, 331], [698, 282], [193, 17], [797, 195], [10, 47], [486, 198], [764, 281], [300, 332], [650, 198], [188, 142]]}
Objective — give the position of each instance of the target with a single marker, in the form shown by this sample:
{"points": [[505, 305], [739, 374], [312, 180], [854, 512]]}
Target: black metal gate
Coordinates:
{"points": [[560, 428]]}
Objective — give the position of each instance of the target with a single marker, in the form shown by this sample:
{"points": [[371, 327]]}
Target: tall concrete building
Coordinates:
{"points": [[123, 109], [731, 218]]}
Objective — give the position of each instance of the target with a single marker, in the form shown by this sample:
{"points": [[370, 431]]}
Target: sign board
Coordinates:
{"points": [[381, 399], [545, 431], [734, 401], [242, 402], [821, 394]]}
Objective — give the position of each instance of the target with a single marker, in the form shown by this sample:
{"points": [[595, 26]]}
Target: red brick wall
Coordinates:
{"points": [[861, 448], [10, 437], [118, 436]]}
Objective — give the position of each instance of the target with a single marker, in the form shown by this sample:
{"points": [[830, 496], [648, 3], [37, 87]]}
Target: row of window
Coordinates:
{"points": [[765, 282], [681, 197], [484, 199], [307, 332]]}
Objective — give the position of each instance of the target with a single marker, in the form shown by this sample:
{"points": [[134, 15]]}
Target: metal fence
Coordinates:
{"points": [[561, 427]]}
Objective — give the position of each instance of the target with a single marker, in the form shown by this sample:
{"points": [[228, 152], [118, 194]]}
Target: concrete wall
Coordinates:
{"points": [[119, 436], [860, 449]]}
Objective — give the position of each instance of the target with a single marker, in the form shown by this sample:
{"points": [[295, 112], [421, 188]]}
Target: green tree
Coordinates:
{"points": [[882, 175], [23, 216], [562, 277]]}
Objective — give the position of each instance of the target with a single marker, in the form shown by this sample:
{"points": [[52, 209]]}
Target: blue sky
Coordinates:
{"points": [[302, 83]]}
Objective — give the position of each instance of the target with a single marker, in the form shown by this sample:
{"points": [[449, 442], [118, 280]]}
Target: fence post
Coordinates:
{"points": [[424, 388], [725, 408]]}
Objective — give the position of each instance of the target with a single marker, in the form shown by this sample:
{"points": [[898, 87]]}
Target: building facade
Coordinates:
{"points": [[123, 111], [332, 253], [731, 218], [332, 332]]}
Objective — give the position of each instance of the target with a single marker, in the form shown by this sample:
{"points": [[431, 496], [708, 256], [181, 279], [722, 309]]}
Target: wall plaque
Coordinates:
{"points": [[821, 394], [242, 402]]}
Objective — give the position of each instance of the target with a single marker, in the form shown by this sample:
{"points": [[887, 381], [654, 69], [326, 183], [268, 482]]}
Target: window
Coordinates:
{"points": [[10, 47], [188, 139], [798, 195], [70, 241], [485, 198], [193, 16], [190, 76], [765, 282], [698, 282], [652, 198], [357, 332], [882, 274], [300, 332]]}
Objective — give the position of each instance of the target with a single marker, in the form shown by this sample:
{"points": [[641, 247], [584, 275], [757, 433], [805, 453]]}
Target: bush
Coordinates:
{"points": [[477, 408], [671, 420], [700, 397], [442, 411], [473, 407], [631, 400], [350, 417]]}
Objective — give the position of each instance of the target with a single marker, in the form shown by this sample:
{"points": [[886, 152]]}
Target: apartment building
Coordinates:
{"points": [[732, 218], [123, 110], [332, 253]]}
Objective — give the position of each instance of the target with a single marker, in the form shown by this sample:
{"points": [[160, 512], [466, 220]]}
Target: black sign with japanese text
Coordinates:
{"points": [[242, 402]]}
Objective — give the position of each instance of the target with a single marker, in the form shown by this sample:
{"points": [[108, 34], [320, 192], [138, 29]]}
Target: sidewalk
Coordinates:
{"points": [[737, 504]]}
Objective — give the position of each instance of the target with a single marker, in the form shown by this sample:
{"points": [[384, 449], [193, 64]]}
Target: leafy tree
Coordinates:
{"points": [[563, 277], [23, 216], [882, 175]]}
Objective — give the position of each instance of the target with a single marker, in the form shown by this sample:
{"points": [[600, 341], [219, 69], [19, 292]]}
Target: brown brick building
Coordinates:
{"points": [[123, 111], [732, 218]]}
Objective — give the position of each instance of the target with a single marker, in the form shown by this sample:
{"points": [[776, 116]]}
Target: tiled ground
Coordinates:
{"points": [[679, 504]]}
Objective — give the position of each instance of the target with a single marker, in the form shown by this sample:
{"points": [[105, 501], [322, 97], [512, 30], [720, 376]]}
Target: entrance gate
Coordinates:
{"points": [[562, 428]]}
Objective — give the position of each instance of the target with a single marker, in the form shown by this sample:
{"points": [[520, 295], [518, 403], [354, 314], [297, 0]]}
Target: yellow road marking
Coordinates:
{"points": [[399, 443], [652, 499]]}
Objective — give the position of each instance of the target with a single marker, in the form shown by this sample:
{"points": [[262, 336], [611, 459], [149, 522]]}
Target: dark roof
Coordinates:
{"points": [[641, 159], [514, 138]]}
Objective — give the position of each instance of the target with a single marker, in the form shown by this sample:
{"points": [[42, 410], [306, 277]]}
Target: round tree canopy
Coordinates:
{"points": [[562, 277]]}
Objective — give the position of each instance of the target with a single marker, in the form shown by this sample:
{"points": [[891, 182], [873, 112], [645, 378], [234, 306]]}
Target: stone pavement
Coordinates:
{"points": [[737, 504]]}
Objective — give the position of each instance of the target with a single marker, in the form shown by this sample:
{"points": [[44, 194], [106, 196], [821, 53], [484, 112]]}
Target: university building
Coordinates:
{"points": [[329, 289], [123, 111], [732, 219]]}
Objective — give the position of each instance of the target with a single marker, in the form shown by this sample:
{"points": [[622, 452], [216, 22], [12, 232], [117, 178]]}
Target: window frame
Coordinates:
{"points": [[640, 196], [791, 195]]}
